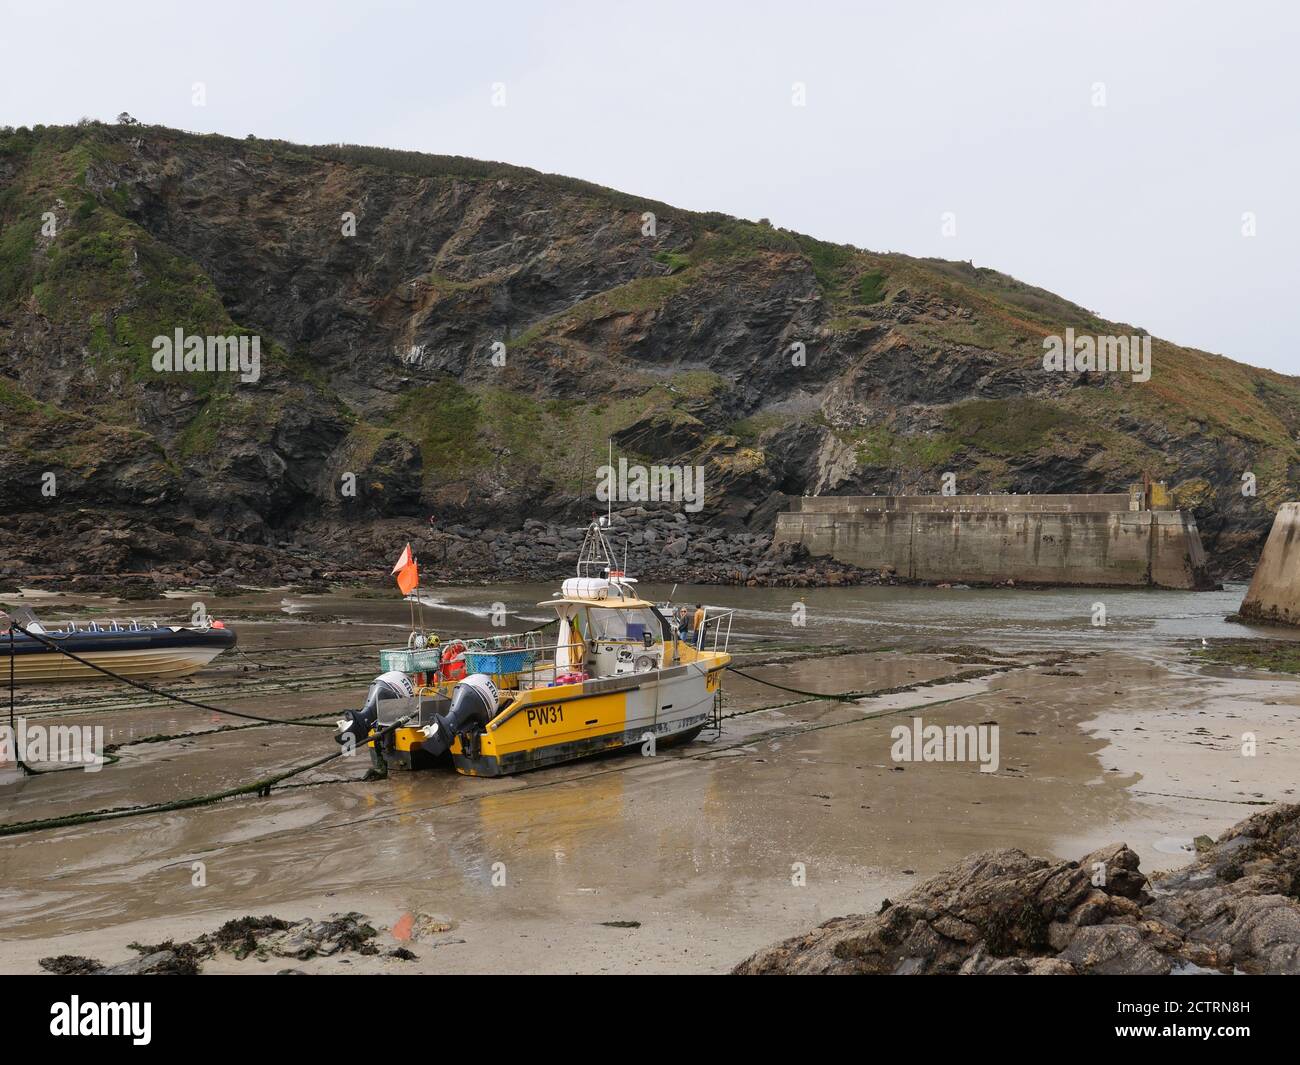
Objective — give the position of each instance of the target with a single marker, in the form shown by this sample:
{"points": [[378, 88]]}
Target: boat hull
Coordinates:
{"points": [[156, 654], [550, 726]]}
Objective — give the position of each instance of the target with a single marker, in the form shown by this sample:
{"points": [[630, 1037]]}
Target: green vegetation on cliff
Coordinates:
{"points": [[1007, 426], [444, 419]]}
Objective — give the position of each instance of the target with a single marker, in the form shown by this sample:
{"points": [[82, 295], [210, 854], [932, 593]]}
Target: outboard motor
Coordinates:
{"points": [[474, 699], [358, 723]]}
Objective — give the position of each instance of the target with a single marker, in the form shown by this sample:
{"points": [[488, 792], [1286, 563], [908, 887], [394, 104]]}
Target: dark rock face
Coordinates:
{"points": [[1235, 908], [136, 554], [470, 346]]}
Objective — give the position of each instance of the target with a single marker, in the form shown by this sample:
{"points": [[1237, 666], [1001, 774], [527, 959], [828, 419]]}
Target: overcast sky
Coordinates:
{"points": [[988, 110]]}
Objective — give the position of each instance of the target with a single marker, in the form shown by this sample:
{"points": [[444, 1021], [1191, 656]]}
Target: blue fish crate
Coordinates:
{"points": [[514, 660], [405, 660]]}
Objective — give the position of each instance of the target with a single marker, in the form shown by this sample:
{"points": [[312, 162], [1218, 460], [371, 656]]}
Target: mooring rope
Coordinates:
{"points": [[845, 697], [261, 787], [13, 732], [850, 697]]}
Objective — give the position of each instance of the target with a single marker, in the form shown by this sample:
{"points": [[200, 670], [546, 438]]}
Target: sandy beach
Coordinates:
{"points": [[792, 813]]}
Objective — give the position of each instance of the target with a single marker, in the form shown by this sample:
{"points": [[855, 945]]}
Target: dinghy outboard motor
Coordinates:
{"points": [[474, 699], [358, 723]]}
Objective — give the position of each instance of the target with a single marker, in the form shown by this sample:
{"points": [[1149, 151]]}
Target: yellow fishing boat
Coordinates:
{"points": [[616, 675]]}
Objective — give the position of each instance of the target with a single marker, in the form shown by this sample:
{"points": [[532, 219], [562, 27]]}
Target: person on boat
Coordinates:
{"points": [[698, 625], [681, 622]]}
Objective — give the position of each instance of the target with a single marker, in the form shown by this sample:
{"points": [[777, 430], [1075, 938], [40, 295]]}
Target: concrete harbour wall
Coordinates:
{"points": [[1274, 592], [1066, 540]]}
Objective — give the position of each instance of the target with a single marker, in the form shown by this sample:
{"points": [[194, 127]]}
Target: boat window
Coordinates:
{"points": [[665, 630], [623, 625]]}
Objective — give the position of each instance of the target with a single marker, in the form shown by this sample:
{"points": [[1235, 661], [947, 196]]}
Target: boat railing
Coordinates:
{"points": [[507, 657], [720, 625], [70, 628], [537, 662], [517, 662]]}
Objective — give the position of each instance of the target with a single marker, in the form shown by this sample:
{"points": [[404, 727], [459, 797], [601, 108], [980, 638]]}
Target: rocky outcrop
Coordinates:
{"points": [[1236, 908]]}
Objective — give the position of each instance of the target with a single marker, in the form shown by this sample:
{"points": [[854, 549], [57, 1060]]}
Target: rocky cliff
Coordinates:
{"points": [[450, 337]]}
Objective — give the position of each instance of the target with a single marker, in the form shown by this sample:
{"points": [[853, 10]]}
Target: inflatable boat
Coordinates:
{"points": [[133, 650]]}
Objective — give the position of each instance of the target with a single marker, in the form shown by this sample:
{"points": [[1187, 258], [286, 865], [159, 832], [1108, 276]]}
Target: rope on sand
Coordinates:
{"points": [[846, 697], [850, 697], [261, 788]]}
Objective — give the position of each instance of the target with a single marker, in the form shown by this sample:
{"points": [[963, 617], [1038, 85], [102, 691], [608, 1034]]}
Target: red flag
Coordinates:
{"points": [[406, 572]]}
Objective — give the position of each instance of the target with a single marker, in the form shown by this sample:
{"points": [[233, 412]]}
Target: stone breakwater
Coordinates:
{"points": [[1085, 540], [1236, 908], [95, 552]]}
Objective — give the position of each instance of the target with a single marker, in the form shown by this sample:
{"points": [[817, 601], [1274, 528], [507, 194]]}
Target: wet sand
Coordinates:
{"points": [[1117, 738]]}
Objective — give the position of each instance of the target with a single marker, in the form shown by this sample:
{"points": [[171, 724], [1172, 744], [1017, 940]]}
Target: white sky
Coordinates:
{"points": [[984, 109]]}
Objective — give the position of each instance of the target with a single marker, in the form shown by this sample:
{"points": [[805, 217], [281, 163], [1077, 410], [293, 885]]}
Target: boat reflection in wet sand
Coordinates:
{"points": [[135, 650], [616, 675]]}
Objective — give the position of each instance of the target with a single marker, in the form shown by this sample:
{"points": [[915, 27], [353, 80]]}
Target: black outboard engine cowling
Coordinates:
{"points": [[358, 723], [473, 700]]}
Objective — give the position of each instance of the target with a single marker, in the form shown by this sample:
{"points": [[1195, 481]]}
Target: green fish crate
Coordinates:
{"points": [[406, 660]]}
